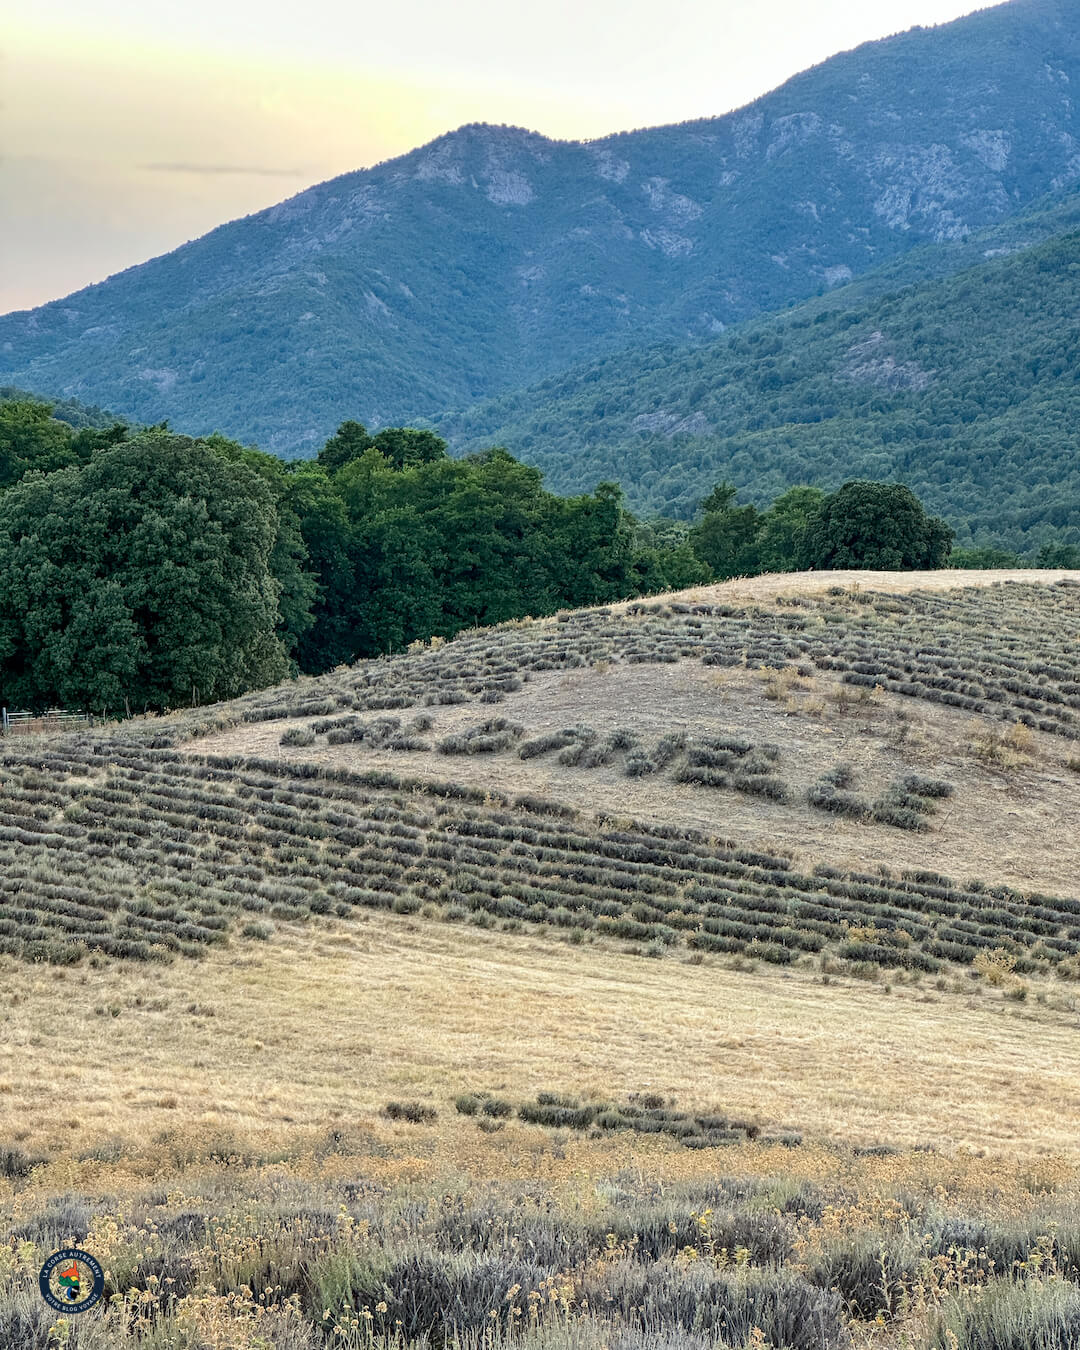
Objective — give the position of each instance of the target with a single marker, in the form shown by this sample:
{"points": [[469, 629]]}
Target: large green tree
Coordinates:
{"points": [[781, 541], [140, 579], [724, 537], [346, 444], [876, 526]]}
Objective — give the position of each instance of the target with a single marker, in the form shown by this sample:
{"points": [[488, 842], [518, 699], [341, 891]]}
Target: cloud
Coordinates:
{"points": [[259, 170]]}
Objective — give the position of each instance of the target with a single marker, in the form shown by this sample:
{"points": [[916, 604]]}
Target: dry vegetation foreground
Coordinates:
{"points": [[218, 1138], [323, 1027], [714, 990]]}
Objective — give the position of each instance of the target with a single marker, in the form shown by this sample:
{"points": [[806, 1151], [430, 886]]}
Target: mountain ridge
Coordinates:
{"points": [[492, 256]]}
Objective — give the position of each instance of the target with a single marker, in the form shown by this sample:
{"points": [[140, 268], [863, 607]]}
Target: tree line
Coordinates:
{"points": [[140, 568], [964, 386]]}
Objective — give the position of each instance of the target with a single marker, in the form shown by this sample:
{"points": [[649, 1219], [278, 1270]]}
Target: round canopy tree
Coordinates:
{"points": [[142, 578], [876, 526]]}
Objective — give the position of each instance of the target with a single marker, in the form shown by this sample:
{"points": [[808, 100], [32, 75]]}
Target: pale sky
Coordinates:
{"points": [[130, 126]]}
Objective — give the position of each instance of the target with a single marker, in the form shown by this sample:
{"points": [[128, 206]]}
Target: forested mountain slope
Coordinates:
{"points": [[69, 410], [965, 387], [493, 256]]}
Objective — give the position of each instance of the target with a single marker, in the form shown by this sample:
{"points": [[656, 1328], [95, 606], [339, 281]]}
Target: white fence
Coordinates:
{"points": [[52, 719]]}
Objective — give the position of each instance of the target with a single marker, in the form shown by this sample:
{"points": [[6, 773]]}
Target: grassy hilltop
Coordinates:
{"points": [[689, 971]]}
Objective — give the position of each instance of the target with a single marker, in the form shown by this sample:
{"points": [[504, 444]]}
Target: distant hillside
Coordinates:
{"points": [[964, 386], [69, 410], [493, 256]]}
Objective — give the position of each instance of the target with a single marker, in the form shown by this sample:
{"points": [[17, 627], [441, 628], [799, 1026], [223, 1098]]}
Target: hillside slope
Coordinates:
{"points": [[964, 386], [456, 888], [493, 256], [705, 719]]}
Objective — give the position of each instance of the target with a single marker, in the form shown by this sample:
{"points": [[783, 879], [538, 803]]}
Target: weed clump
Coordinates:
{"points": [[416, 1113], [298, 736], [487, 738]]}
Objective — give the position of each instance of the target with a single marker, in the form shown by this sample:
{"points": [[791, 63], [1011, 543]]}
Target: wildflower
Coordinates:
{"points": [[380, 1307]]}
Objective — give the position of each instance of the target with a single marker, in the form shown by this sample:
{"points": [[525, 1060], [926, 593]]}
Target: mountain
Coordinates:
{"points": [[493, 256], [965, 386]]}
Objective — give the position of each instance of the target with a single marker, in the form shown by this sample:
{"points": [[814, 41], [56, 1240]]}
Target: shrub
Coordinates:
{"points": [[668, 747], [487, 738], [872, 1270], [762, 785], [298, 736], [827, 798], [996, 966], [887, 811], [926, 787], [772, 952], [1027, 1314], [15, 1163], [840, 776], [558, 1117], [496, 1106], [414, 1112], [257, 929], [542, 745]]}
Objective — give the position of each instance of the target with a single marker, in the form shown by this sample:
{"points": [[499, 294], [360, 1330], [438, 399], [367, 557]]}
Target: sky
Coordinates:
{"points": [[128, 127]]}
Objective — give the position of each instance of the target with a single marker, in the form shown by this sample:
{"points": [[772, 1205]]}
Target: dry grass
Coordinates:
{"points": [[1015, 818], [323, 1027], [752, 590], [250, 1083]]}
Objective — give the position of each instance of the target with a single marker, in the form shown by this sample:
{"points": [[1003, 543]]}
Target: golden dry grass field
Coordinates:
{"points": [[329, 1019], [320, 1028], [248, 1088]]}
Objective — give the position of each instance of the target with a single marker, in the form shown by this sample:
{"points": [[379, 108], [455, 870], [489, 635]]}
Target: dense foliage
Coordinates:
{"points": [[38, 435], [148, 569], [879, 526], [964, 388], [142, 577], [876, 525], [494, 256]]}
